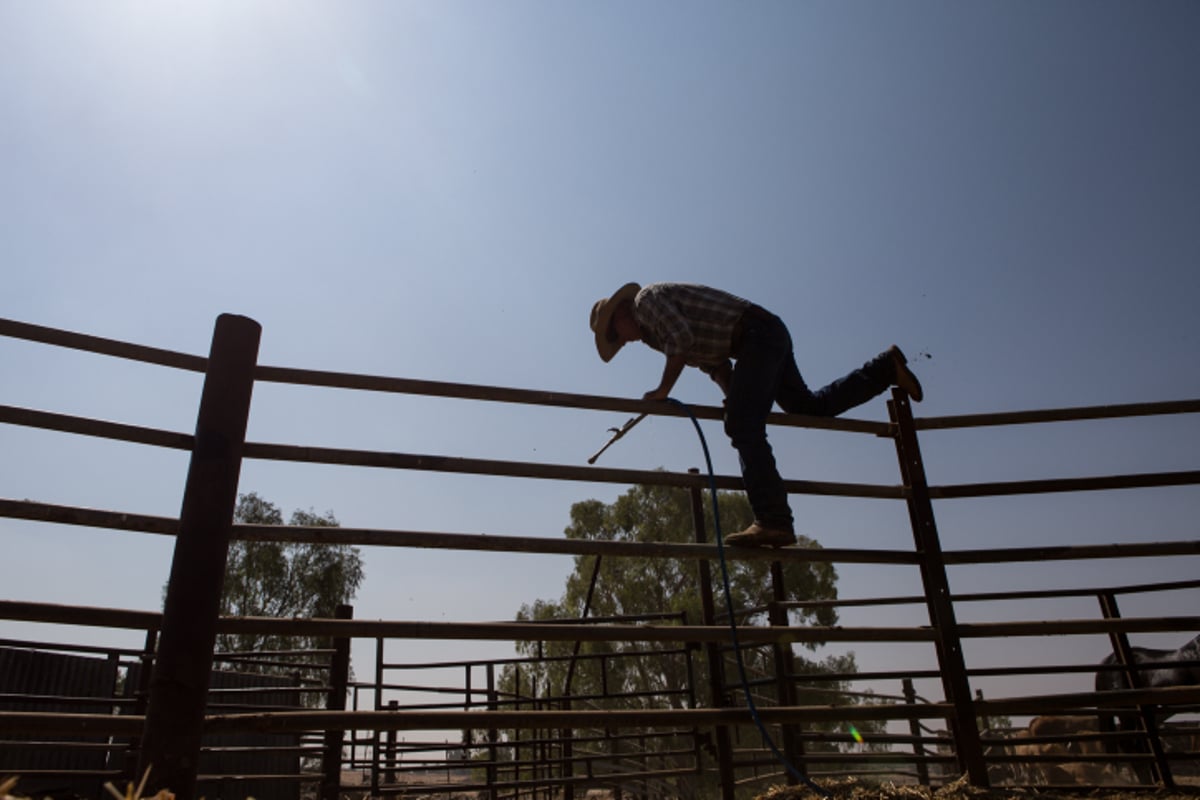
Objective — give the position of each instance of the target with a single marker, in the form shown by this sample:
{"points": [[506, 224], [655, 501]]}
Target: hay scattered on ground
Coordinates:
{"points": [[961, 789]]}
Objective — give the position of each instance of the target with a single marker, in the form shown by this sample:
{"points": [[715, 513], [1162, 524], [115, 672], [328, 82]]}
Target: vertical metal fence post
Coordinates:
{"points": [[568, 734], [967, 746], [1160, 770], [712, 651], [141, 695], [390, 775], [339, 682], [493, 734], [179, 686], [785, 686], [376, 736], [914, 727]]}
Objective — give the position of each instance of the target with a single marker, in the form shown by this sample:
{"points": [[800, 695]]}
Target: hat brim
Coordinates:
{"points": [[607, 345]]}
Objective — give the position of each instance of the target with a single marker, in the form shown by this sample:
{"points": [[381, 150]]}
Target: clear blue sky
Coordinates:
{"points": [[442, 190]]}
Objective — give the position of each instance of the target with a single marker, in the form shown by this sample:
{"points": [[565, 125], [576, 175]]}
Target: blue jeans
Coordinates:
{"points": [[765, 373]]}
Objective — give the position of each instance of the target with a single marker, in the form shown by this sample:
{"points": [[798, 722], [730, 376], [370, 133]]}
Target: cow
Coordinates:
{"points": [[1042, 763], [1179, 667], [1069, 726], [1021, 763], [1082, 773]]}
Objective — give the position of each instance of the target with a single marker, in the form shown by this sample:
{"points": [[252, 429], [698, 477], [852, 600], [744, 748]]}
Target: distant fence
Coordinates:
{"points": [[713, 734], [66, 680]]}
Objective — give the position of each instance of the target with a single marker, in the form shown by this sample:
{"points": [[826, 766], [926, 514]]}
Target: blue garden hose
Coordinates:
{"points": [[766, 737]]}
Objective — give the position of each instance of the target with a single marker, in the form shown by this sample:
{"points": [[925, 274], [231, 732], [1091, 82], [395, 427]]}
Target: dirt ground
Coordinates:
{"points": [[853, 789]]}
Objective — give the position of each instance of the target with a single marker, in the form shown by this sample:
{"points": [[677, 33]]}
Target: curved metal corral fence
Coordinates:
{"points": [[534, 743]]}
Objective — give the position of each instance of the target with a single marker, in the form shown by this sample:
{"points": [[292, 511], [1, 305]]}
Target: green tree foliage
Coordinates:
{"points": [[640, 675], [284, 579]]}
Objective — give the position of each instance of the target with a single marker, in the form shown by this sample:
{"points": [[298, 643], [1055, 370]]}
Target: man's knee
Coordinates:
{"points": [[744, 431]]}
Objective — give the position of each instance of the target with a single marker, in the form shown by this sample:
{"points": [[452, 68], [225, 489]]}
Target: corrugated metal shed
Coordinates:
{"points": [[52, 682]]}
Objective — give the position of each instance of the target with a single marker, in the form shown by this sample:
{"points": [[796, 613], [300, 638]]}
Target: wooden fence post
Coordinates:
{"points": [[182, 669], [967, 745], [339, 682]]}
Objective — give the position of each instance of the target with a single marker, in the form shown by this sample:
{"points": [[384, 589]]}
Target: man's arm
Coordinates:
{"points": [[671, 372]]}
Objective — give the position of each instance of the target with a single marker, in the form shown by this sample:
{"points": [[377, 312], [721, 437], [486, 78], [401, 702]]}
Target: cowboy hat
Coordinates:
{"points": [[607, 343]]}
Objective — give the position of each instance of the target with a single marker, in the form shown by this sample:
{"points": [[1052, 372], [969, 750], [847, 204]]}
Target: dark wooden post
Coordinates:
{"points": [[179, 686], [967, 745], [339, 682], [712, 650]]}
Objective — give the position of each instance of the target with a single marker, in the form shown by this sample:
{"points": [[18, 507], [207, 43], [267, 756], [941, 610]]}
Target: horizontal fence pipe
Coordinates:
{"points": [[214, 777], [320, 378], [487, 542], [862, 759], [79, 615], [849, 602], [1061, 703], [1073, 553], [67, 515], [1058, 415], [510, 631], [103, 747], [1047, 669], [60, 774], [617, 777], [88, 517], [67, 423], [459, 665], [966, 556], [521, 469], [561, 546], [1054, 485], [977, 630], [8, 698], [300, 453], [624, 618], [496, 631], [248, 655], [297, 721], [842, 677], [126, 654], [631, 655], [374, 383], [34, 722], [524, 631], [102, 346], [343, 380], [433, 463]]}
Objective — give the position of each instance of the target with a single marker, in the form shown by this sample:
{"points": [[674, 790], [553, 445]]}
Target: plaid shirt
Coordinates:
{"points": [[689, 320]]}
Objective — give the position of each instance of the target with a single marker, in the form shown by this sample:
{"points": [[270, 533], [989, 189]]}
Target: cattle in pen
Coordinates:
{"points": [[1053, 750], [1156, 669]]}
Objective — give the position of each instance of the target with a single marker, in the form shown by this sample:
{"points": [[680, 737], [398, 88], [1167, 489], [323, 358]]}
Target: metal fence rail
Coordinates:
{"points": [[964, 748]]}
